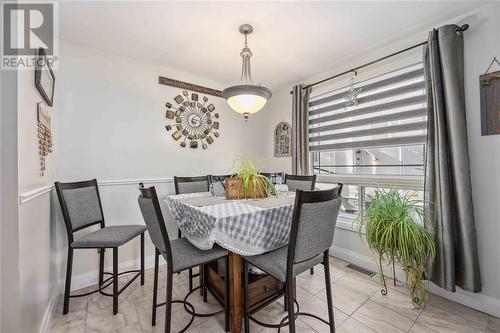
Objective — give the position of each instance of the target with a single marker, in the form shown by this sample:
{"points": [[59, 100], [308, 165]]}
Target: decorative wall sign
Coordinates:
{"points": [[189, 86], [489, 84], [44, 135], [195, 121], [282, 140]]}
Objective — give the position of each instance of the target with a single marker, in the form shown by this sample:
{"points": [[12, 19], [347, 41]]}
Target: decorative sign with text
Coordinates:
{"points": [[189, 86]]}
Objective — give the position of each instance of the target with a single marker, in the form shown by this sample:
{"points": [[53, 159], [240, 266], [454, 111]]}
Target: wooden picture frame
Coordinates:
{"points": [[45, 79]]}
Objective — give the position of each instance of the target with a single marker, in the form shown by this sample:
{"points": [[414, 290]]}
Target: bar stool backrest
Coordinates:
{"points": [[191, 184], [153, 217], [80, 205], [296, 182], [313, 224]]}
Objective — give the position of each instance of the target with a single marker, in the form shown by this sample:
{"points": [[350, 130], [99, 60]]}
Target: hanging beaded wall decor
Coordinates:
{"points": [[44, 136], [194, 121]]}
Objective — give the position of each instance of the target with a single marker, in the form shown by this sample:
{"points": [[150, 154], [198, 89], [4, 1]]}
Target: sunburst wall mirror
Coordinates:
{"points": [[193, 120]]}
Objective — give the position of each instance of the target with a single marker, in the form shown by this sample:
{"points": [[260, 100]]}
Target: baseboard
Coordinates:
{"points": [[478, 301], [51, 309]]}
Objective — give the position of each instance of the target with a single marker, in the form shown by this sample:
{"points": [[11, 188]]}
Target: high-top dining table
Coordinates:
{"points": [[243, 227]]}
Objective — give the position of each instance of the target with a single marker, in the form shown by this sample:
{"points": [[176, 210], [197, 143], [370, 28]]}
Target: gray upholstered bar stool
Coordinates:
{"points": [[311, 235], [180, 255], [185, 185], [298, 182], [81, 208]]}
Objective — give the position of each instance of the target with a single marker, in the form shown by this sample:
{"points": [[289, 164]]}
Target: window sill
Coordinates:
{"points": [[401, 182]]}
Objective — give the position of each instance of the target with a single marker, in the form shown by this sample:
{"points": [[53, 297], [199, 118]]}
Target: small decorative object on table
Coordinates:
{"points": [[248, 183], [218, 189], [282, 140]]}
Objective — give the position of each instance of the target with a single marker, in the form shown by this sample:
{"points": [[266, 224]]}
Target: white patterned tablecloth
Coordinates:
{"points": [[246, 227]]}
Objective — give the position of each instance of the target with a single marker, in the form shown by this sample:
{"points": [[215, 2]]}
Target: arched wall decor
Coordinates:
{"points": [[283, 140], [193, 120]]}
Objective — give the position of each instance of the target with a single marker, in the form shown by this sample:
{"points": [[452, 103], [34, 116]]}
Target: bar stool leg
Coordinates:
{"points": [[326, 263], [190, 279], [204, 276], [245, 297], [67, 288], [289, 299], [155, 287], [101, 266], [168, 304], [115, 280], [142, 259]]}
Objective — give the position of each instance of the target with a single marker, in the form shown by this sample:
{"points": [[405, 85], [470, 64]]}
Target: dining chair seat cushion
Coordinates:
{"points": [[274, 263], [185, 255], [106, 237]]}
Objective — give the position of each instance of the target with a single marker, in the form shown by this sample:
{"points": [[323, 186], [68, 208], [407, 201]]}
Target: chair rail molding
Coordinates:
{"points": [[33, 194]]}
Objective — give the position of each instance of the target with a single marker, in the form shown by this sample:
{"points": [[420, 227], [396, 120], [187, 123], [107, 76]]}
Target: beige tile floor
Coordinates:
{"points": [[359, 308]]}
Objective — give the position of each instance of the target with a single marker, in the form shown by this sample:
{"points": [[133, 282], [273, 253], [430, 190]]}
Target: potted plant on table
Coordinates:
{"points": [[394, 226], [247, 182]]}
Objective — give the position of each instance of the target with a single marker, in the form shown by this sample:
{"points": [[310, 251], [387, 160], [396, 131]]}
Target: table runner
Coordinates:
{"points": [[246, 227]]}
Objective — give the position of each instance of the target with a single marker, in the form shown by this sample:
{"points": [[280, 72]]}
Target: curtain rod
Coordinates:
{"points": [[355, 69]]}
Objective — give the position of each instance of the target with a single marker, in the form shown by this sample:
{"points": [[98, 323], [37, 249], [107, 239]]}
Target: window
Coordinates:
{"points": [[371, 134]]}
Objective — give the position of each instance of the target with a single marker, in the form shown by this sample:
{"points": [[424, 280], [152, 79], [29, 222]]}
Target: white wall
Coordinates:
{"points": [[36, 272], [111, 126], [9, 212], [481, 44]]}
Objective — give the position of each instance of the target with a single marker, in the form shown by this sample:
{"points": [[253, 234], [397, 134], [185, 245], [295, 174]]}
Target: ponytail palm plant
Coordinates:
{"points": [[394, 230]]}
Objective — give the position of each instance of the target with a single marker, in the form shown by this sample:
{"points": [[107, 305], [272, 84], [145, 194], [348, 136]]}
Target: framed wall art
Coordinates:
{"points": [[283, 140], [193, 120], [45, 80], [489, 86]]}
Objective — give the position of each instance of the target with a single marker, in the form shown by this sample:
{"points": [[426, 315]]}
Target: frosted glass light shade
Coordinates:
{"points": [[246, 103], [246, 98]]}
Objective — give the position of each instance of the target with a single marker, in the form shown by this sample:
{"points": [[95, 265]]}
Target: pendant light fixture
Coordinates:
{"points": [[246, 97]]}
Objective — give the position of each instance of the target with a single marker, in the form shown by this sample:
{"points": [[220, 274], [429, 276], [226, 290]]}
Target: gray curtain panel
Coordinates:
{"points": [[300, 130], [448, 193]]}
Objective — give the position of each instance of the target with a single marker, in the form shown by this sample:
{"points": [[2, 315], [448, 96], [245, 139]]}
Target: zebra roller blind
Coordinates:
{"points": [[390, 111]]}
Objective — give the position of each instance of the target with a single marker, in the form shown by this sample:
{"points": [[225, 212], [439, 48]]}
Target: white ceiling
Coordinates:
{"points": [[291, 40]]}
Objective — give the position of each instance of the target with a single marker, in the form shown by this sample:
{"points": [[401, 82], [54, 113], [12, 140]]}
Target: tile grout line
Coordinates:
{"points": [[135, 306], [385, 306], [416, 319], [86, 313]]}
